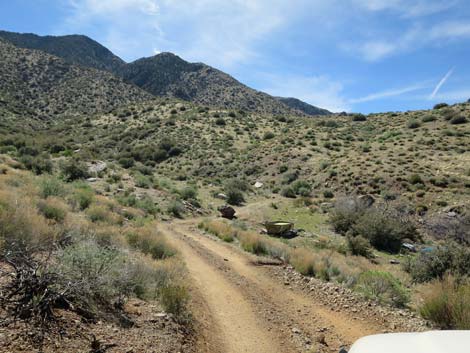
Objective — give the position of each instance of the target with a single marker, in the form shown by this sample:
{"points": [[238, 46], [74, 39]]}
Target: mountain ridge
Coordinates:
{"points": [[165, 75]]}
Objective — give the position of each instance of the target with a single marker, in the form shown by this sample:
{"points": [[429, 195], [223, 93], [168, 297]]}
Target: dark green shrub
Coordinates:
{"points": [[458, 120], [268, 135], [451, 259], [384, 230], [126, 162], [413, 124], [359, 117], [288, 192], [440, 105], [74, 170]]}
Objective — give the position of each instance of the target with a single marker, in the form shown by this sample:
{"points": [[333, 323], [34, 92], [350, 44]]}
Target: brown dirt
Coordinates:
{"points": [[253, 310]]}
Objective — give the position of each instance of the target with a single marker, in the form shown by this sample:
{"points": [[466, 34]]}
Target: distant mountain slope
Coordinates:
{"points": [[165, 75], [168, 75], [75, 49], [308, 109], [35, 83]]}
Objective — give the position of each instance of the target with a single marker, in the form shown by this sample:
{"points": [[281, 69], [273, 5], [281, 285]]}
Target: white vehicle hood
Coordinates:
{"points": [[423, 342]]}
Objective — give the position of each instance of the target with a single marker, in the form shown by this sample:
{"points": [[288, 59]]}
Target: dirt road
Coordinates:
{"points": [[244, 309]]}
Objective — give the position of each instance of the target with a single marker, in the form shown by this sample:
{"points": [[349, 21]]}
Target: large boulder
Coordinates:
{"points": [[227, 212]]}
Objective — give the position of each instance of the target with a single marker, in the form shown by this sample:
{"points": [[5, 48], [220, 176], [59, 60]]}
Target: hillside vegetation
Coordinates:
{"points": [[44, 87]]}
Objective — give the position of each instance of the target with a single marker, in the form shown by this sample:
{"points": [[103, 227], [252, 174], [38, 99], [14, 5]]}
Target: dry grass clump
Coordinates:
{"points": [[220, 229], [447, 303], [150, 242]]}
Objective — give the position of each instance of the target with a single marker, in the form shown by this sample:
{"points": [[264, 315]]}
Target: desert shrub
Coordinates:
{"points": [[220, 121], [383, 287], [328, 194], [304, 262], [188, 193], [22, 229], [451, 259], [384, 230], [150, 242], [415, 179], [52, 209], [252, 242], [359, 246], [447, 303], [101, 213], [126, 162], [345, 213], [301, 187], [359, 117], [74, 170], [458, 120], [95, 277], [440, 105], [176, 208], [288, 192], [82, 197], [174, 300], [38, 165], [143, 181], [268, 135], [428, 118], [234, 196], [413, 124], [50, 186], [220, 229]]}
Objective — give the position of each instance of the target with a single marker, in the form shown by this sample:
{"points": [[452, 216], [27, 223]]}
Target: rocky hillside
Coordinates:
{"points": [[306, 108], [166, 75], [37, 84], [75, 49]]}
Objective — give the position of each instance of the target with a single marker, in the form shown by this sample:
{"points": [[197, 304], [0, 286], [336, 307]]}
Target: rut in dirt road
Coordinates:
{"points": [[253, 311], [234, 317]]}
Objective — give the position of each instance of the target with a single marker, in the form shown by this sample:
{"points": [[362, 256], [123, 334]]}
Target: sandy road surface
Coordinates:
{"points": [[244, 309]]}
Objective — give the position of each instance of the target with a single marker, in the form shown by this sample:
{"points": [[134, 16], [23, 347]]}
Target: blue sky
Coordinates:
{"points": [[353, 55]]}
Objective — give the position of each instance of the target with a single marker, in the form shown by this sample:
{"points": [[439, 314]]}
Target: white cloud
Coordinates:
{"points": [[441, 83], [415, 38], [408, 8], [458, 95], [389, 93], [219, 33], [319, 91]]}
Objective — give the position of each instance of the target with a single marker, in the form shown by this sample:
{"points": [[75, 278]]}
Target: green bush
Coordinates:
{"points": [[52, 210], [451, 259], [288, 192], [441, 105], [268, 135], [188, 193], [51, 186], [383, 287], [413, 124], [235, 196], [359, 117], [176, 208], [458, 120], [74, 170], [359, 246], [83, 197], [384, 230]]}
